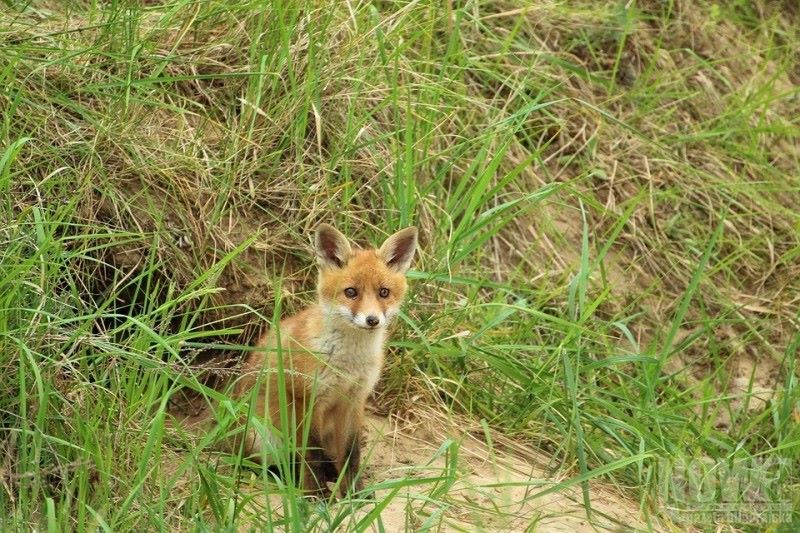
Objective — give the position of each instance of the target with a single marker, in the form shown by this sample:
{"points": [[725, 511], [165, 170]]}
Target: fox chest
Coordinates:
{"points": [[350, 364]]}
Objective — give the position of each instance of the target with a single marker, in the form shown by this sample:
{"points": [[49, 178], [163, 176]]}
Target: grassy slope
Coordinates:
{"points": [[607, 198]]}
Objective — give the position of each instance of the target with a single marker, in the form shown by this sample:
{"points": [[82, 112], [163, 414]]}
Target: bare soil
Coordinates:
{"points": [[496, 486]]}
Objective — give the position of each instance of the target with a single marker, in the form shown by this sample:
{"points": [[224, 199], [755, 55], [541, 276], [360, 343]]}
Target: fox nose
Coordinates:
{"points": [[372, 321]]}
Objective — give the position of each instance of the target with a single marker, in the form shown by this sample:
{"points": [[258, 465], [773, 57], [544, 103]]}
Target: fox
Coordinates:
{"points": [[331, 356]]}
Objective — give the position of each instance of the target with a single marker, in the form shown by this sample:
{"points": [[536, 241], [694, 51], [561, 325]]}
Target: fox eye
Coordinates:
{"points": [[350, 292], [384, 292]]}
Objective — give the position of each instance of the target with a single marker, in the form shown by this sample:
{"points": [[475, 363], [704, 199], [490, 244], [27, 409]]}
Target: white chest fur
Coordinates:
{"points": [[352, 360]]}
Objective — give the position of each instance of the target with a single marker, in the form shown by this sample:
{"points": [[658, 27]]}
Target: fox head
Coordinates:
{"points": [[363, 288]]}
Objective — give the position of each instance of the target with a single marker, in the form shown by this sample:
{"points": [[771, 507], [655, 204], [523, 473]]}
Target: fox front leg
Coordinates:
{"points": [[351, 465]]}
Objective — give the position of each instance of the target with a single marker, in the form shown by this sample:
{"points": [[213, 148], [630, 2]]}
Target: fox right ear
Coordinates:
{"points": [[332, 247], [398, 250]]}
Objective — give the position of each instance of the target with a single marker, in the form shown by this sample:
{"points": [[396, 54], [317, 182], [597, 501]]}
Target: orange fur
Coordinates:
{"points": [[332, 354]]}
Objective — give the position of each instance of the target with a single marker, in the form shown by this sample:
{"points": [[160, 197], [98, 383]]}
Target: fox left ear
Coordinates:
{"points": [[333, 250], [398, 250]]}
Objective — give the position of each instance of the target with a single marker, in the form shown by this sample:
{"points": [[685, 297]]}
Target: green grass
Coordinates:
{"points": [[607, 194]]}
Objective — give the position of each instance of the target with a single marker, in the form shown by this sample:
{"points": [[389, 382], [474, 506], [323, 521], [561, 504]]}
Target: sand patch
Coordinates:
{"points": [[441, 474], [495, 488]]}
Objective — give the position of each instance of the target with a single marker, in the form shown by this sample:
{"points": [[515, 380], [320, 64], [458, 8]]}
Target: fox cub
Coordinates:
{"points": [[331, 355]]}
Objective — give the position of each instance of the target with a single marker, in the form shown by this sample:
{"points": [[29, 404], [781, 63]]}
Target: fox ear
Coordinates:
{"points": [[332, 247], [398, 250]]}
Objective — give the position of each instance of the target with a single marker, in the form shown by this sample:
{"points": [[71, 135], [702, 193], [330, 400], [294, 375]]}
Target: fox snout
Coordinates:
{"points": [[366, 319], [370, 321]]}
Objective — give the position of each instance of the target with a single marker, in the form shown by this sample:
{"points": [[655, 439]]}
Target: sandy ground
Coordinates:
{"points": [[496, 487]]}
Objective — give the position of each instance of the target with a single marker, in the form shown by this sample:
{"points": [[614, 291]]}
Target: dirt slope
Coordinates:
{"points": [[495, 486]]}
